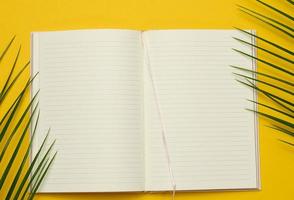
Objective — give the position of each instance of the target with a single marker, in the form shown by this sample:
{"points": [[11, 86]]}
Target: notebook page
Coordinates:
{"points": [[211, 138], [90, 95]]}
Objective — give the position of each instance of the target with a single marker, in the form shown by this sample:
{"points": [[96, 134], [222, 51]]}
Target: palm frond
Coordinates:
{"points": [[283, 130], [6, 49], [275, 91], [272, 108], [21, 167], [265, 50], [248, 12], [41, 176], [19, 186], [280, 47], [3, 151], [30, 169], [7, 89], [290, 1], [266, 62], [275, 119], [12, 70], [16, 150], [289, 143], [39, 170], [266, 83], [263, 74], [13, 113], [277, 10], [270, 95]]}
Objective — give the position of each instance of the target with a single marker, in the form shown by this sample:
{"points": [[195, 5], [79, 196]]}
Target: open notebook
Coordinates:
{"points": [[96, 95]]}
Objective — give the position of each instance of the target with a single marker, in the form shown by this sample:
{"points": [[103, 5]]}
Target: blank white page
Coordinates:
{"points": [[91, 96], [212, 140]]}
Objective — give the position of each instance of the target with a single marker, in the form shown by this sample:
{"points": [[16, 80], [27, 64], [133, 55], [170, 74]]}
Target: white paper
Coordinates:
{"points": [[210, 136], [91, 97]]}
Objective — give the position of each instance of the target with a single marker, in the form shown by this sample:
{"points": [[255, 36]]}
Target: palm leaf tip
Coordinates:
{"points": [[267, 20], [278, 46], [281, 129], [277, 10], [289, 143], [6, 48], [275, 119], [291, 84], [40, 179], [12, 70], [265, 50], [265, 83], [289, 72]]}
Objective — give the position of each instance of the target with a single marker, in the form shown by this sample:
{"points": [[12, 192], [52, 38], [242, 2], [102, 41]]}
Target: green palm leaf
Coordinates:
{"points": [[275, 119], [263, 74], [283, 130], [17, 128], [249, 12], [290, 1], [21, 167], [265, 50], [277, 10], [41, 176], [270, 95], [11, 71], [280, 47], [289, 143], [16, 150], [266, 62], [272, 108], [7, 89], [266, 83], [6, 49], [284, 103]]}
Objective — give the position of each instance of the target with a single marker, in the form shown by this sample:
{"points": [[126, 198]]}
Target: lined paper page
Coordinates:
{"points": [[211, 138], [91, 96]]}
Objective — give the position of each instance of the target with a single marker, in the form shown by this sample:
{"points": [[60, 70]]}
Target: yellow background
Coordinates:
{"points": [[20, 17]]}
